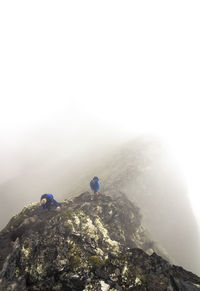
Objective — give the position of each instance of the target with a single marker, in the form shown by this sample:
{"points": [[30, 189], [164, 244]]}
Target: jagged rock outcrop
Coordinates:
{"points": [[142, 170], [94, 243], [146, 173]]}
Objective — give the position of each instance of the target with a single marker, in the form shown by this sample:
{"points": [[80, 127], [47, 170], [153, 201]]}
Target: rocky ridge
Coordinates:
{"points": [[148, 175], [94, 243]]}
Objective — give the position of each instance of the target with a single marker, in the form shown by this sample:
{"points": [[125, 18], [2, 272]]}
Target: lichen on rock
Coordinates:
{"points": [[92, 244]]}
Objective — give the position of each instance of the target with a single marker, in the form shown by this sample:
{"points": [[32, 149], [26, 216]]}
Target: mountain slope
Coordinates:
{"points": [[94, 243], [145, 172], [141, 169]]}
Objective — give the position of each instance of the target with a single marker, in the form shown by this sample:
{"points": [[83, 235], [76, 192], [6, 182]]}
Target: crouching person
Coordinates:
{"points": [[48, 202]]}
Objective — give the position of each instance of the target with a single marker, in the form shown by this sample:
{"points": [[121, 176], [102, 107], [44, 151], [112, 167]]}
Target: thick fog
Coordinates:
{"points": [[50, 160], [80, 79]]}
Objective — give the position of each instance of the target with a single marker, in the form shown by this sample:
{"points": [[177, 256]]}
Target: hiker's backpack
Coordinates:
{"points": [[92, 184]]}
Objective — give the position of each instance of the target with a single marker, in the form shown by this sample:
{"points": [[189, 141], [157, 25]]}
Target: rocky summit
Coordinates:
{"points": [[94, 243]]}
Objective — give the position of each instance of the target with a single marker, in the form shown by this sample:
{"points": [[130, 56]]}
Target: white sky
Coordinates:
{"points": [[133, 64]]}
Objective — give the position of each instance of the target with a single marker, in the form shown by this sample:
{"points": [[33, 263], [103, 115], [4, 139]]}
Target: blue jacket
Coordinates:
{"points": [[94, 185], [50, 201]]}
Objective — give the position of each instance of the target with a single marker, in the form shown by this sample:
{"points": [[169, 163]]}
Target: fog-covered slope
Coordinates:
{"points": [[145, 172], [141, 169], [51, 160]]}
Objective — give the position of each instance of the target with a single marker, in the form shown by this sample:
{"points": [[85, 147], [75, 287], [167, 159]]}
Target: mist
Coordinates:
{"points": [[79, 80], [50, 160]]}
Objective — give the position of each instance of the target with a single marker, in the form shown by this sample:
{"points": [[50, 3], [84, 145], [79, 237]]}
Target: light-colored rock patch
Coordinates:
{"points": [[104, 231], [138, 281], [25, 251], [104, 286]]}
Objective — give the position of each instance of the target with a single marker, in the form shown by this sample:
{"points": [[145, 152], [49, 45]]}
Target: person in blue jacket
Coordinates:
{"points": [[48, 202], [94, 185]]}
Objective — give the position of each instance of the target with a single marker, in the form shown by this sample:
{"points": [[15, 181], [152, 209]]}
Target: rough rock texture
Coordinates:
{"points": [[142, 169], [94, 243], [149, 177]]}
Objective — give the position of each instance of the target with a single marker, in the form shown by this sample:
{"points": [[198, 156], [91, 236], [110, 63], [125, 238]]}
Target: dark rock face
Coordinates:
{"points": [[94, 243]]}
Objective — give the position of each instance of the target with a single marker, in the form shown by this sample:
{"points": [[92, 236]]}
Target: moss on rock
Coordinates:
{"points": [[90, 249], [96, 261]]}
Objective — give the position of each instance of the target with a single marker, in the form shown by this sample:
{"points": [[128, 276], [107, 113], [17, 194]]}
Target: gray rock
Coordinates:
{"points": [[89, 245]]}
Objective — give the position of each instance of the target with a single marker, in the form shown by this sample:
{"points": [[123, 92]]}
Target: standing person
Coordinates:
{"points": [[48, 202], [94, 185]]}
